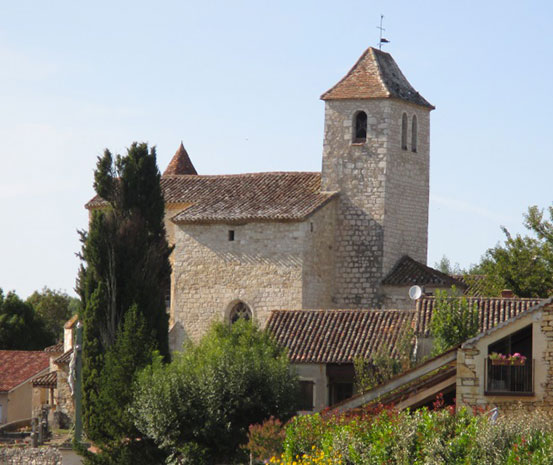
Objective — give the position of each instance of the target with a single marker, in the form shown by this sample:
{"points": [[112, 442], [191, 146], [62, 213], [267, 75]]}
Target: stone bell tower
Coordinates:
{"points": [[376, 154]]}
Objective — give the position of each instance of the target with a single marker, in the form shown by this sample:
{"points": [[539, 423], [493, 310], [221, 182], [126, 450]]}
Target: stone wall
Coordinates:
{"points": [[471, 362], [65, 408], [268, 266], [383, 206], [30, 456], [407, 188]]}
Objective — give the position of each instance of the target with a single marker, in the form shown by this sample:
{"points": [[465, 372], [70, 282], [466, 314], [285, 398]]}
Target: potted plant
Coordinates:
{"points": [[499, 359], [517, 360]]}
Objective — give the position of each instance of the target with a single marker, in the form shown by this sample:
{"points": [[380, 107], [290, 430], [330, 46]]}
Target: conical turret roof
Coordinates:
{"points": [[180, 163], [375, 75]]}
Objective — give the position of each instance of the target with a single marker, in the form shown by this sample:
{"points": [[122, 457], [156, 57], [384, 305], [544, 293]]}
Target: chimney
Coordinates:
{"points": [[507, 294]]}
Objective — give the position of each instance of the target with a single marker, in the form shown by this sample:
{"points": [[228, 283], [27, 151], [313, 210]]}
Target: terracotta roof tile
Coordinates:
{"points": [[337, 336], [17, 366], [180, 163], [491, 311], [375, 75], [408, 272], [48, 380], [278, 196], [475, 283], [65, 358], [55, 348], [71, 322]]}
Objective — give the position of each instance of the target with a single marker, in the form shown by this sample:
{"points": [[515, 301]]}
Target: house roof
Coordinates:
{"points": [[49, 380], [180, 163], [475, 283], [55, 348], [65, 358], [408, 272], [235, 198], [337, 336], [491, 311], [538, 306], [375, 75], [17, 366]]}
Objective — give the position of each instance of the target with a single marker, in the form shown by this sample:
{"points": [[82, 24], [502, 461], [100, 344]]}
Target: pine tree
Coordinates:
{"points": [[122, 281]]}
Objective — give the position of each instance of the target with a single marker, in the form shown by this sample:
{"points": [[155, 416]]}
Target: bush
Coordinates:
{"points": [[198, 408], [421, 437]]}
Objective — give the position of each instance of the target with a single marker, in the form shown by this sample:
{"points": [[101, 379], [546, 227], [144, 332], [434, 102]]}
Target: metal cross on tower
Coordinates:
{"points": [[381, 40]]}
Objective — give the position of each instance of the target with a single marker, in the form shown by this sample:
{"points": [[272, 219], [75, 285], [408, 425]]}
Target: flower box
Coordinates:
{"points": [[516, 363]]}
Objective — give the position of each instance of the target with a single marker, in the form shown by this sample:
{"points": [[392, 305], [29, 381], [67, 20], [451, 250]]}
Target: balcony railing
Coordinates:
{"points": [[510, 379]]}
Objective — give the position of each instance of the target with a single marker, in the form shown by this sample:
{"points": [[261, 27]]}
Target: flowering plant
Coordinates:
{"points": [[511, 359]]}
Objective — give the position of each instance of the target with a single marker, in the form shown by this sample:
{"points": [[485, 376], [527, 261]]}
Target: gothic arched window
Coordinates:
{"points": [[404, 132], [240, 310], [414, 134], [360, 134]]}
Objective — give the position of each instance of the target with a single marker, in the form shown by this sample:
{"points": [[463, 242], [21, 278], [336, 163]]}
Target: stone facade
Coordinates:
{"points": [[471, 365], [327, 245], [383, 210], [268, 266]]}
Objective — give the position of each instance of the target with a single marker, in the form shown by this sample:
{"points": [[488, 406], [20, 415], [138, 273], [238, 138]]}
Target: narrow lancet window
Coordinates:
{"points": [[414, 134], [404, 132], [360, 134], [240, 311]]}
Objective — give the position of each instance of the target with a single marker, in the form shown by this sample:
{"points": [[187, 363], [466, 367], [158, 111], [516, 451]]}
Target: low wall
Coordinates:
{"points": [[29, 456]]}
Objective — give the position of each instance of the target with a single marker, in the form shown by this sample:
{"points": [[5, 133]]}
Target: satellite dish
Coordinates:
{"points": [[415, 292]]}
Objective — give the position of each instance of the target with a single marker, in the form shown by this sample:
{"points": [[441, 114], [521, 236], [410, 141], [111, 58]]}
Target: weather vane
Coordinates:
{"points": [[382, 40]]}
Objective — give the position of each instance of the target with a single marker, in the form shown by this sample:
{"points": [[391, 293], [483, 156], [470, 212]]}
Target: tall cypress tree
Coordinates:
{"points": [[122, 284]]}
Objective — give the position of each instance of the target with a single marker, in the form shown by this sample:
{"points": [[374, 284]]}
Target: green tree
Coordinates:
{"points": [[199, 407], [454, 320], [55, 308], [384, 364], [126, 267], [522, 264], [21, 328]]}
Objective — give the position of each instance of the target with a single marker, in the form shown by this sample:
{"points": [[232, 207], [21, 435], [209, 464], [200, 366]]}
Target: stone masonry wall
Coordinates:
{"points": [[407, 188], [263, 267], [370, 233], [471, 366], [318, 264]]}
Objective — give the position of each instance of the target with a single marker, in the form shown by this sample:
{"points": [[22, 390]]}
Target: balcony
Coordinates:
{"points": [[509, 380]]}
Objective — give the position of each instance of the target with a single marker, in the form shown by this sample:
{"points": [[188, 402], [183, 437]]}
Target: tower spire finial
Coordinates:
{"points": [[381, 40]]}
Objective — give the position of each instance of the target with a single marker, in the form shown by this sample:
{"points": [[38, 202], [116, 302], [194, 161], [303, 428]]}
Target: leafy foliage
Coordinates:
{"points": [[385, 436], [382, 365], [199, 407], [266, 440], [453, 321], [122, 286], [55, 308], [21, 328]]}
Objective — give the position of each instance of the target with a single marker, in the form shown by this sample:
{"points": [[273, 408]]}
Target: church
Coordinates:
{"points": [[249, 244], [324, 260]]}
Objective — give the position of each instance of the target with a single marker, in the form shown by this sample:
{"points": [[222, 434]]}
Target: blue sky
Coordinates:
{"points": [[239, 83]]}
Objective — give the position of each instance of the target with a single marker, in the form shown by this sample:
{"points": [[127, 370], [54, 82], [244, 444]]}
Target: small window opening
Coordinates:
{"points": [[311, 227], [231, 235], [306, 395], [360, 127], [404, 132], [414, 134], [240, 310]]}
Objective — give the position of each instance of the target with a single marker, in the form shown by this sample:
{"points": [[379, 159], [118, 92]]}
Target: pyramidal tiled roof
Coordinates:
{"points": [[409, 272], [375, 75], [180, 163]]}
